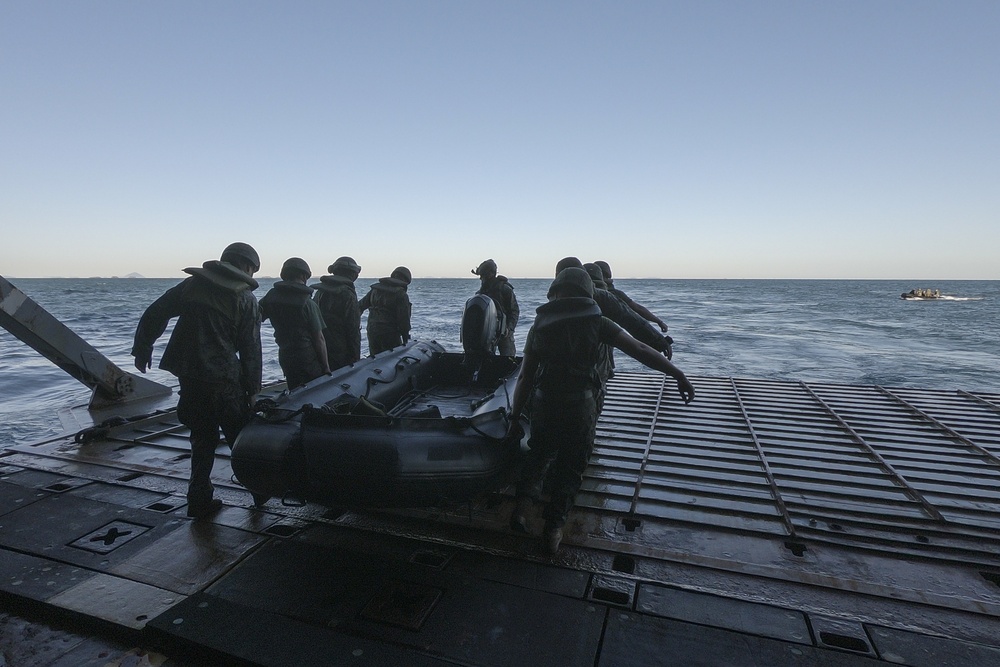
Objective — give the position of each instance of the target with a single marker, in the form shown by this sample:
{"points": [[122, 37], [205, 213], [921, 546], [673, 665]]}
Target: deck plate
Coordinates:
{"points": [[782, 522]]}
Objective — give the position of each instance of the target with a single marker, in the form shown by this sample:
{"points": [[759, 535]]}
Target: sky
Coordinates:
{"points": [[696, 139]]}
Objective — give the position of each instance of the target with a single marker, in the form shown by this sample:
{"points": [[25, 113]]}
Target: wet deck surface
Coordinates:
{"points": [[766, 523]]}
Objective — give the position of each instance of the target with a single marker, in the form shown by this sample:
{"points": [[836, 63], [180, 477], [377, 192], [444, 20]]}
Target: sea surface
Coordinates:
{"points": [[839, 331]]}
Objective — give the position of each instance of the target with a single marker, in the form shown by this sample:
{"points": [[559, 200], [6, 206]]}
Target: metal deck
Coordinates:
{"points": [[894, 470], [766, 523]]}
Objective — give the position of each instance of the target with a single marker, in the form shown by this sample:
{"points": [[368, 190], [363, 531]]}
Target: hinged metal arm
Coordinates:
{"points": [[37, 328]]}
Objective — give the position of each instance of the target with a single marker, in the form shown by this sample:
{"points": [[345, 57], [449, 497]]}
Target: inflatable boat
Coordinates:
{"points": [[415, 426], [922, 294]]}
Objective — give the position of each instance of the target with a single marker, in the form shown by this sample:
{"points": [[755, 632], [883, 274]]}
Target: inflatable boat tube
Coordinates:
{"points": [[410, 427]]}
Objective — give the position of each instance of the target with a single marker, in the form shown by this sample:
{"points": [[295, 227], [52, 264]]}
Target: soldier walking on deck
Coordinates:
{"points": [[215, 353], [499, 289], [559, 374], [337, 299]]}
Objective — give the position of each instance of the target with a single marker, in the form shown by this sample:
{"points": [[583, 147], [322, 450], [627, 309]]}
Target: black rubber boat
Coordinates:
{"points": [[411, 427], [922, 294]]}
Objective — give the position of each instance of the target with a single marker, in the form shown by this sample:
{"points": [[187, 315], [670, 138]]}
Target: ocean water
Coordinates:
{"points": [[841, 331]]}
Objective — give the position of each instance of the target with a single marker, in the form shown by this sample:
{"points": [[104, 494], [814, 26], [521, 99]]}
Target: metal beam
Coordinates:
{"points": [[979, 449], [894, 474], [37, 328], [764, 465]]}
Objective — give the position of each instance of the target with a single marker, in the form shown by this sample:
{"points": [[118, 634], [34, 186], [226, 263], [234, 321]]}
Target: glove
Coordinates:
{"points": [[667, 350], [514, 433], [685, 388], [144, 360]]}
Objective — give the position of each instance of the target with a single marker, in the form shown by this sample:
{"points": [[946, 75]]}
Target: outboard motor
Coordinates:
{"points": [[482, 324]]}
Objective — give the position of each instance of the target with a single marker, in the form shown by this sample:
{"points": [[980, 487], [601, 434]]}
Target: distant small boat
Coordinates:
{"points": [[922, 294]]}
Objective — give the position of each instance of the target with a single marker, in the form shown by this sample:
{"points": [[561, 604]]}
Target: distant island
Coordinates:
{"points": [[131, 275]]}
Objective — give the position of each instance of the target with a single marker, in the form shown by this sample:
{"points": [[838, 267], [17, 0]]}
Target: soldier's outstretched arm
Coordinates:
{"points": [[648, 315], [653, 359]]}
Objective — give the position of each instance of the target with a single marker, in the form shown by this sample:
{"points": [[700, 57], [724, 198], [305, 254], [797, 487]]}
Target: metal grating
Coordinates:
{"points": [[909, 471], [906, 470]]}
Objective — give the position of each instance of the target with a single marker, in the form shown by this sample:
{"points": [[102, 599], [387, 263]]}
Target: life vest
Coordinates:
{"points": [[285, 306], [567, 341]]}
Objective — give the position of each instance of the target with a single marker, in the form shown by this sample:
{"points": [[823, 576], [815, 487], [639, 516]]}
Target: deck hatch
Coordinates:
{"points": [[109, 537]]}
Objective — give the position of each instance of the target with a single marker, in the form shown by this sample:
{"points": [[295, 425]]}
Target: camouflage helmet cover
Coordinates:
{"points": [[605, 268], [241, 252], [595, 273], [487, 268], [572, 281], [401, 273], [344, 265], [567, 262], [295, 264]]}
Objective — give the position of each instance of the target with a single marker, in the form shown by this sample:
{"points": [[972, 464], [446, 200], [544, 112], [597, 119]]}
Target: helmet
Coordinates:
{"points": [[295, 265], [344, 265], [595, 273], [241, 253], [605, 269], [401, 273], [567, 262], [489, 268], [572, 281]]}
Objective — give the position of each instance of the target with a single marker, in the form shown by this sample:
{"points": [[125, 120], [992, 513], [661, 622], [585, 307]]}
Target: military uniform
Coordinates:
{"points": [[389, 316], [295, 318], [560, 375], [215, 353], [338, 302], [566, 337]]}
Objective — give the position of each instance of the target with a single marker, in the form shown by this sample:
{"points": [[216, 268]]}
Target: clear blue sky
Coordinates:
{"points": [[700, 139]]}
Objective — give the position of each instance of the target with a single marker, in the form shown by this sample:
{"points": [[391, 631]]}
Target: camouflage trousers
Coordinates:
{"points": [[205, 407], [563, 427]]}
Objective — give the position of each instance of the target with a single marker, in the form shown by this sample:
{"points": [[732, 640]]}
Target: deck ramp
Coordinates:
{"points": [[767, 522]]}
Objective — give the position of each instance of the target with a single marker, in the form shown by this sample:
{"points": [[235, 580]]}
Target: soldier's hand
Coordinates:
{"points": [[143, 362], [514, 431], [685, 388], [668, 348]]}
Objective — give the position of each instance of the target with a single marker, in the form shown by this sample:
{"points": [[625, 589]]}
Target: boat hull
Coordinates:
{"points": [[416, 453]]}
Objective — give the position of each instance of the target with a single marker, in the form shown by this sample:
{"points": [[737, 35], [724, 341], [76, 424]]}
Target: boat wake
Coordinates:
{"points": [[943, 297]]}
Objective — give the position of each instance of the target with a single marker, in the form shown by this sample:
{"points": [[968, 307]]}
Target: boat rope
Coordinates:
{"points": [[506, 393], [272, 415], [491, 438]]}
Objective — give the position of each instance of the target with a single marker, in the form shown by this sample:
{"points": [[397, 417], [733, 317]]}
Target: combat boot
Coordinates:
{"points": [[519, 515], [202, 510], [552, 538]]}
